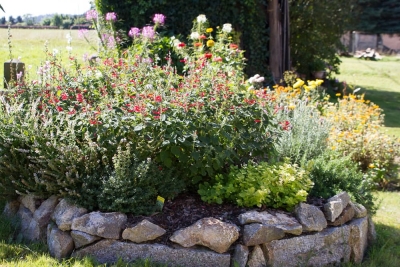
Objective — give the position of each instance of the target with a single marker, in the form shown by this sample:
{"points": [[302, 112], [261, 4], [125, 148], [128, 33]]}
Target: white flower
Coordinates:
{"points": [[98, 74], [148, 86], [227, 27], [194, 35], [201, 18], [256, 79], [55, 52], [69, 37], [176, 42], [69, 48]]}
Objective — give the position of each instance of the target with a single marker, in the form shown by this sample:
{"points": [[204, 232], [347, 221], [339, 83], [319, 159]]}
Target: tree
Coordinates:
{"points": [[57, 20], [3, 20], [46, 22], [11, 20], [29, 20], [378, 16], [315, 30], [19, 19]]}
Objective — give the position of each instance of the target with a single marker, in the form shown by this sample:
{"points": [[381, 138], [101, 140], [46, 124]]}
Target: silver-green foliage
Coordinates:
{"points": [[305, 132]]}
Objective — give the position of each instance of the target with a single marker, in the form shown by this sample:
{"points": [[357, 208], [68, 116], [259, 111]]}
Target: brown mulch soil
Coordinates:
{"points": [[186, 209]]}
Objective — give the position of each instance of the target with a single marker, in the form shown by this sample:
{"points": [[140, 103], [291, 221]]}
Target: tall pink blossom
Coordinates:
{"points": [[134, 32], [159, 19], [148, 32], [111, 16], [91, 14]]}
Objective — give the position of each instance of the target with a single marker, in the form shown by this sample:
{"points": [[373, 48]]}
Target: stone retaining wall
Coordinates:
{"points": [[338, 232]]}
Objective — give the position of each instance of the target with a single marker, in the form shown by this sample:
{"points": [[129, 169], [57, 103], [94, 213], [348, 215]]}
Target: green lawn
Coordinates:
{"points": [[380, 81], [29, 45]]}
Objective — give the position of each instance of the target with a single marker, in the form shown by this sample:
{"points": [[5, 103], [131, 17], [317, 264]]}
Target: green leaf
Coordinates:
{"points": [[138, 127]]}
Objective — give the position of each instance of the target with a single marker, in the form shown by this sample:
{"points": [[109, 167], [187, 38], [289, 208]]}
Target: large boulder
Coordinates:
{"points": [[30, 202], [240, 256], [109, 251], [257, 233], [310, 217], [335, 205], [280, 220], [208, 232], [347, 215], [142, 232], [11, 208], [43, 213], [257, 258], [65, 213], [60, 243], [82, 239], [328, 247], [359, 210], [106, 225], [358, 239]]}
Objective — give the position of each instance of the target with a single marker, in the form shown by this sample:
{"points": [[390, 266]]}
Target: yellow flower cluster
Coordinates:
{"points": [[357, 130]]}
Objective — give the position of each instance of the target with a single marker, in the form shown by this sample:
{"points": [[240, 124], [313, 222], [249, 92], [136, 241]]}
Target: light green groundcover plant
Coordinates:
{"points": [[278, 185]]}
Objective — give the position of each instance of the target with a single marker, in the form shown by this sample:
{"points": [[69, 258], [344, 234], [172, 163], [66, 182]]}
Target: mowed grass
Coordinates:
{"points": [[380, 82], [30, 45]]}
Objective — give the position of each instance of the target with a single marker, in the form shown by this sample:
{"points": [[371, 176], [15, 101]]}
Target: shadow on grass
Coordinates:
{"points": [[385, 251]]}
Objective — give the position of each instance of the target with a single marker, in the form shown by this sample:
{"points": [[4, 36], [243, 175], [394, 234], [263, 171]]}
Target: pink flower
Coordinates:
{"points": [[59, 108], [148, 32], [91, 14], [158, 98], [159, 19], [64, 96], [134, 32], [79, 97], [111, 16]]}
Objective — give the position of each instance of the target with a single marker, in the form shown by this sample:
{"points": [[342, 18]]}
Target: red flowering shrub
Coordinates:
{"points": [[65, 127]]}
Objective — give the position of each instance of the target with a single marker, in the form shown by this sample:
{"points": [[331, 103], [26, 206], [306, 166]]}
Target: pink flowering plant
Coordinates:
{"points": [[85, 131]]}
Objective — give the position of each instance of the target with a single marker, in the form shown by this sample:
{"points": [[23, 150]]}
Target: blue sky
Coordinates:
{"points": [[42, 7]]}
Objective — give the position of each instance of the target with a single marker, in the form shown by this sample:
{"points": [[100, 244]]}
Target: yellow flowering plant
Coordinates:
{"points": [[357, 131]]}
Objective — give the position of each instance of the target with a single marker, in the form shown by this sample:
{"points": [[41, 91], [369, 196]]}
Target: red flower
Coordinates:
{"points": [[136, 109], [79, 98], [181, 45], [202, 37], [158, 98], [59, 108], [197, 44], [285, 125], [233, 46], [72, 112], [64, 96], [257, 121], [208, 55]]}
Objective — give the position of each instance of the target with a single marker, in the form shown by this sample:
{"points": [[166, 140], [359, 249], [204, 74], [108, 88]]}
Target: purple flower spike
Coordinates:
{"points": [[111, 16], [91, 14], [148, 32], [159, 19], [134, 32]]}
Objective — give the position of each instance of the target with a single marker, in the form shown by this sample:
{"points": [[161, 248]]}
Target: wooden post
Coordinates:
{"points": [[279, 45], [12, 68]]}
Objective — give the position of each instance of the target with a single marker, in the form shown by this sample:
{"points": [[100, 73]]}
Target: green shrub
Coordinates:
{"points": [[130, 185], [60, 133], [333, 173], [278, 185]]}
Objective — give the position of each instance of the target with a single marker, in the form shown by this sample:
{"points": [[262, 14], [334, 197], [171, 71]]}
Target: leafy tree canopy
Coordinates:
{"points": [[378, 16]]}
